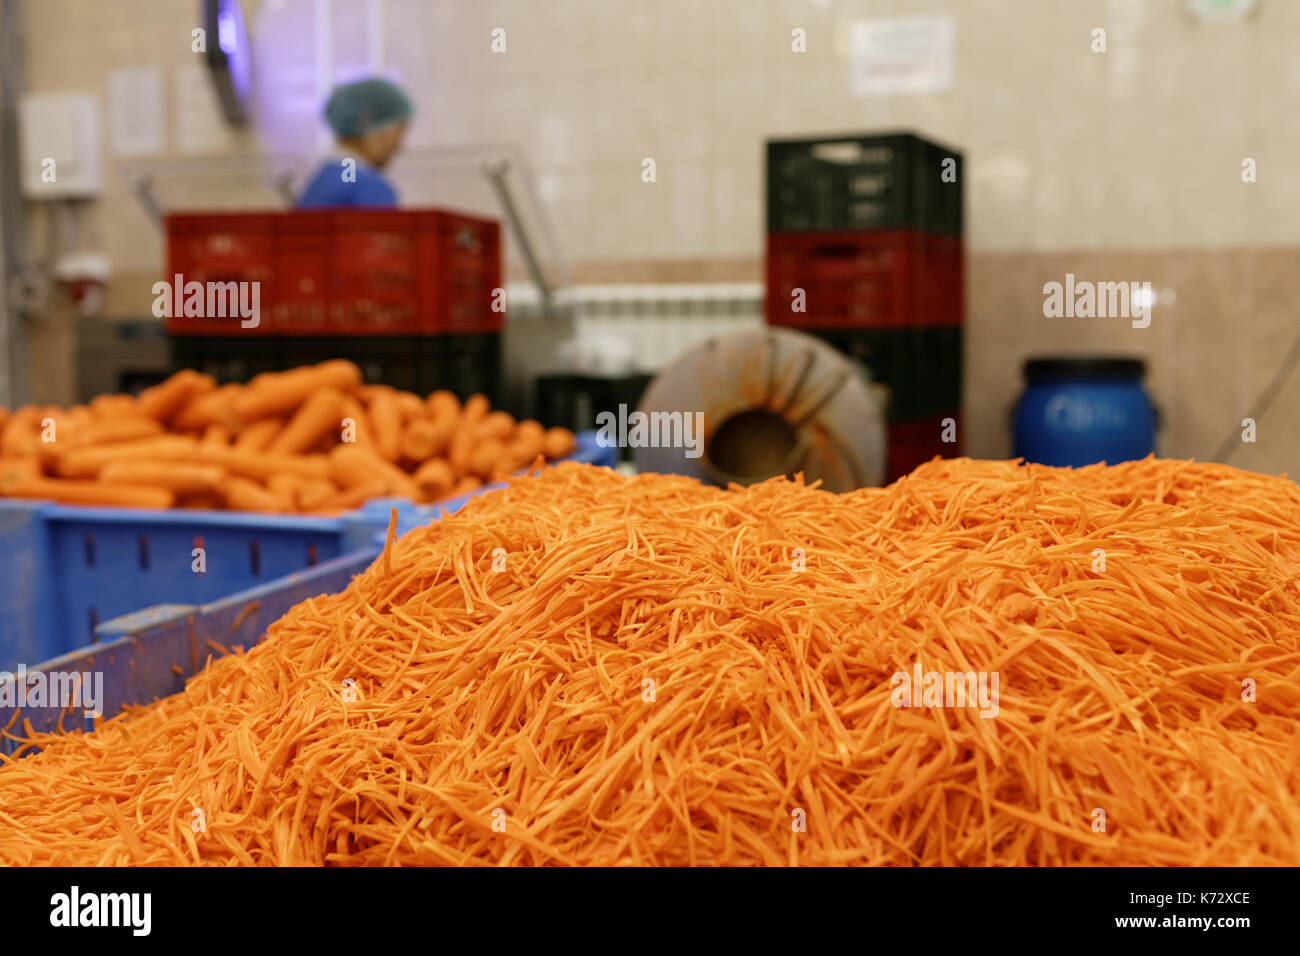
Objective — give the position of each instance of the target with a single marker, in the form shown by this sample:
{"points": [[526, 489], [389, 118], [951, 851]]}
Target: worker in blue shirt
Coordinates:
{"points": [[369, 119]]}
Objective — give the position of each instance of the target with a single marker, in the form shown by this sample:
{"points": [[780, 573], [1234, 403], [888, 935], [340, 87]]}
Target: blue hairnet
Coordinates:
{"points": [[355, 109]]}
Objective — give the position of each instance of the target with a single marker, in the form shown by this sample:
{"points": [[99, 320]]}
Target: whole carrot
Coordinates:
{"points": [[69, 492], [208, 501], [318, 416], [163, 401], [528, 440], [282, 393], [86, 461], [488, 458], [15, 470], [119, 405], [467, 484], [208, 407], [558, 442], [351, 467], [20, 437], [354, 427], [435, 479], [114, 430], [386, 420], [498, 425], [181, 477], [258, 435], [315, 492], [261, 466], [243, 494], [476, 408], [287, 486], [443, 404], [350, 498], [411, 406], [419, 441], [216, 434]]}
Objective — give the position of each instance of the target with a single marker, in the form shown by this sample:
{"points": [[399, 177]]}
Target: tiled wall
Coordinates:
{"points": [[1122, 165], [1219, 333]]}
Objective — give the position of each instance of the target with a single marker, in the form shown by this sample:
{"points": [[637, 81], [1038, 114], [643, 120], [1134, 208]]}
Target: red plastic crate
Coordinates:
{"points": [[915, 442], [344, 272], [878, 279], [221, 248], [378, 287], [466, 253], [304, 245]]}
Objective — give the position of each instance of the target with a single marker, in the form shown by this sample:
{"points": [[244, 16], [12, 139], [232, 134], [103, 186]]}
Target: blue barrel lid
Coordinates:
{"points": [[1054, 369]]}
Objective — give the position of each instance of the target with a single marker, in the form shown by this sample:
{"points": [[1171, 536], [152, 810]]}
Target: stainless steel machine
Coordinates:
{"points": [[773, 402]]}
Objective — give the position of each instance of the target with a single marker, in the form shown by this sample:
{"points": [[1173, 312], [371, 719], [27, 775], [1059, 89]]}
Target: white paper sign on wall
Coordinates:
{"points": [[135, 100], [898, 55]]}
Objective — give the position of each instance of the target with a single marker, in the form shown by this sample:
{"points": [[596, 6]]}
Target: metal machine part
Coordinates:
{"points": [[773, 402], [496, 169]]}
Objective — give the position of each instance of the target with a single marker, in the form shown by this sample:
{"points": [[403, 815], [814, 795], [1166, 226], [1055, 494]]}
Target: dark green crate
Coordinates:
{"points": [[883, 181]]}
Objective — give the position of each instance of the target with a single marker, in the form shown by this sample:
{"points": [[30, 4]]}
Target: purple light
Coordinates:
{"points": [[227, 32]]}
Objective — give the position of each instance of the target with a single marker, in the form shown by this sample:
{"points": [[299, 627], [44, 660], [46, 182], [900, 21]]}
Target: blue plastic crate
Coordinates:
{"points": [[150, 654], [592, 452], [64, 571]]}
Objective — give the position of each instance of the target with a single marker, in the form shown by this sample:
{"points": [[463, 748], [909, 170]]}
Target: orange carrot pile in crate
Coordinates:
{"points": [[312, 439]]}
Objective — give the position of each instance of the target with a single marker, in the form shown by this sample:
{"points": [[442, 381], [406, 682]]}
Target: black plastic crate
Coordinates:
{"points": [[573, 401], [882, 181], [464, 364], [921, 367], [228, 358]]}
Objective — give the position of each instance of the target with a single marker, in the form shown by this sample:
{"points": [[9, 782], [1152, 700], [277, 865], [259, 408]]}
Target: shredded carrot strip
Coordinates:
{"points": [[586, 668]]}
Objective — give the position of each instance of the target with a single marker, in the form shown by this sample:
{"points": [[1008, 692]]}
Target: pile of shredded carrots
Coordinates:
{"points": [[586, 668]]}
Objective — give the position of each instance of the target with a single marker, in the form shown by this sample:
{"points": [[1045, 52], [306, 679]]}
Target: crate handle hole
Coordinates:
{"points": [[144, 552], [311, 555], [254, 557], [89, 540], [92, 618]]}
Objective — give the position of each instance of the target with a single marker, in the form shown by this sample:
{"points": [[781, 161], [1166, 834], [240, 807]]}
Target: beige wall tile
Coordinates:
{"points": [[1137, 147], [1276, 449]]}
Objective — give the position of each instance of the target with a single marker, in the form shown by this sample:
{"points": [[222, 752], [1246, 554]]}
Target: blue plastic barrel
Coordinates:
{"points": [[1079, 411]]}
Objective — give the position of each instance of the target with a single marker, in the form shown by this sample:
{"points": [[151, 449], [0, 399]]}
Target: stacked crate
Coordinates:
{"points": [[573, 400], [406, 294], [864, 250]]}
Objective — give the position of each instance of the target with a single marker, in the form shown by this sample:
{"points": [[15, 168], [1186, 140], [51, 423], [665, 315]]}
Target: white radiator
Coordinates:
{"points": [[623, 328]]}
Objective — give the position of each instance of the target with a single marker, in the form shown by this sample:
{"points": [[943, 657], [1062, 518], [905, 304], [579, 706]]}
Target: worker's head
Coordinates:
{"points": [[369, 118]]}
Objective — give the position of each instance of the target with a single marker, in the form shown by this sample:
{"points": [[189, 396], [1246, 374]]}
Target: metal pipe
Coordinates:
{"points": [[282, 183], [14, 365], [142, 189], [496, 170]]}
